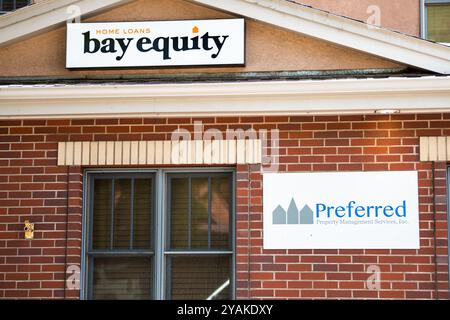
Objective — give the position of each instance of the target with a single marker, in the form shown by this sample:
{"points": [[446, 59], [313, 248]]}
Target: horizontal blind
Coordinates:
{"points": [[121, 230], [199, 260], [220, 212], [11, 5], [142, 212], [438, 22], [199, 210], [131, 217], [200, 278], [102, 214], [122, 278], [179, 213], [122, 216]]}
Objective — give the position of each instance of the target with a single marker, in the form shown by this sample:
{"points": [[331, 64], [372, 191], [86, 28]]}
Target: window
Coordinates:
{"points": [[180, 249], [11, 5], [120, 251], [436, 20], [199, 247]]}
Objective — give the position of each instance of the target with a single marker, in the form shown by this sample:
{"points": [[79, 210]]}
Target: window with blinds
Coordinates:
{"points": [[194, 256], [121, 249], [199, 246], [12, 5], [438, 21]]}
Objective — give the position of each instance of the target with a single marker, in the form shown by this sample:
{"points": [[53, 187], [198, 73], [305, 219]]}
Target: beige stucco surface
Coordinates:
{"points": [[399, 15], [267, 48]]}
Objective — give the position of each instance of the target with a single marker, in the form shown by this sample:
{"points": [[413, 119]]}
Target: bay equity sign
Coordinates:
{"points": [[155, 43], [341, 210]]}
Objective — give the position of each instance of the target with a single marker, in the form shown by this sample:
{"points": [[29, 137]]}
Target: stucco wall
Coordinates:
{"points": [[399, 15], [267, 48]]}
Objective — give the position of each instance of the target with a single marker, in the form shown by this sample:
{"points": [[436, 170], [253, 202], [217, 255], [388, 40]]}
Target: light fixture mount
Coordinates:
{"points": [[387, 111]]}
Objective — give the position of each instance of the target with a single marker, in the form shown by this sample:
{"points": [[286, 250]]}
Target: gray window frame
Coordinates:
{"points": [[91, 253], [159, 253], [29, 2], [423, 15]]}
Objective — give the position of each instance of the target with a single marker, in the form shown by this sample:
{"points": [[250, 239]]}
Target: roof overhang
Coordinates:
{"points": [[345, 96], [28, 21], [285, 14], [342, 31]]}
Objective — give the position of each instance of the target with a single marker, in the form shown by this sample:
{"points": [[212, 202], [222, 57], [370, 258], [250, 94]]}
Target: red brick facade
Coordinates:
{"points": [[33, 187]]}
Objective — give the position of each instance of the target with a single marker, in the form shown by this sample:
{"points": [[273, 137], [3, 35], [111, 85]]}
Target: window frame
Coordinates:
{"points": [[159, 223], [423, 16], [192, 252], [92, 253]]}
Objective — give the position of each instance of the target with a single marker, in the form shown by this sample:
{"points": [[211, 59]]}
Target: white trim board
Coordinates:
{"points": [[354, 96], [291, 16]]}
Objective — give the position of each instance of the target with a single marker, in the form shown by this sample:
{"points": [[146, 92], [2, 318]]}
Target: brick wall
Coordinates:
{"points": [[33, 187]]}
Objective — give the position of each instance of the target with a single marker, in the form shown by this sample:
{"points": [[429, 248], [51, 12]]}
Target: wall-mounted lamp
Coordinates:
{"points": [[29, 230], [387, 111]]}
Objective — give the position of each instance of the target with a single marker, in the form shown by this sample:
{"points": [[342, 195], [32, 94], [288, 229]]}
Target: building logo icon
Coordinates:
{"points": [[293, 215]]}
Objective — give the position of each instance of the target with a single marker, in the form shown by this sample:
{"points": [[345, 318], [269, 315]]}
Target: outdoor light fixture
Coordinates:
{"points": [[29, 230], [387, 111]]}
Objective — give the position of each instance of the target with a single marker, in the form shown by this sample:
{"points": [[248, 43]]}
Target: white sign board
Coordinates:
{"points": [[155, 43], [341, 210]]}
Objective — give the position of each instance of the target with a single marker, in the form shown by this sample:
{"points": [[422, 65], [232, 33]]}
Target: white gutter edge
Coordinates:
{"points": [[263, 88], [429, 94]]}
